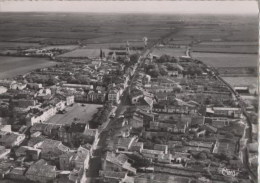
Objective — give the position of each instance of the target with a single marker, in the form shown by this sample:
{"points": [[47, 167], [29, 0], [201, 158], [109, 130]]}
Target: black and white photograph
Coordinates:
{"points": [[129, 91]]}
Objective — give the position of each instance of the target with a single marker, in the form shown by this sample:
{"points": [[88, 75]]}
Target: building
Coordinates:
{"points": [[35, 86], [87, 87], [51, 149], [75, 160], [225, 112], [117, 163], [114, 96], [115, 177], [41, 116], [40, 171], [18, 173], [7, 83], [12, 139]]}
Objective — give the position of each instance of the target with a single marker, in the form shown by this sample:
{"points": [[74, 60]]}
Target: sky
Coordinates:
{"points": [[202, 7]]}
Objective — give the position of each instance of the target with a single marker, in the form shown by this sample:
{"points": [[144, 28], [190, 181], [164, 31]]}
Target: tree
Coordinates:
{"points": [[134, 58]]}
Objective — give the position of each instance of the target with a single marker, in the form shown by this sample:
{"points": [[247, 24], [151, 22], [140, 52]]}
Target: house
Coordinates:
{"points": [[35, 86], [40, 171], [136, 95], [33, 154], [40, 116], [44, 92], [161, 147], [124, 144], [24, 103], [76, 175], [18, 174], [7, 83], [75, 160], [227, 112], [225, 146], [34, 141], [118, 163], [135, 121], [51, 149], [86, 87], [4, 152], [76, 133], [57, 103], [5, 128], [176, 106], [96, 97], [81, 158], [18, 86], [12, 139], [137, 146], [115, 177], [114, 96], [22, 151], [151, 154], [5, 167], [3, 90], [175, 127], [242, 89]]}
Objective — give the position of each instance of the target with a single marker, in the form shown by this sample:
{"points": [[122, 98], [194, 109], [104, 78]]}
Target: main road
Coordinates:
{"points": [[92, 174]]}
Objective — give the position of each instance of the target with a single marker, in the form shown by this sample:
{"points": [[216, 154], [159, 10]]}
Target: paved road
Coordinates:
{"points": [[95, 161]]}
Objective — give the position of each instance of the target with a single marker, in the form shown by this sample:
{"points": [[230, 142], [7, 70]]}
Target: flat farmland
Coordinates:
{"points": [[62, 47], [230, 43], [81, 52], [13, 66], [175, 52], [251, 82], [227, 49], [226, 59], [69, 28], [18, 45], [82, 113]]}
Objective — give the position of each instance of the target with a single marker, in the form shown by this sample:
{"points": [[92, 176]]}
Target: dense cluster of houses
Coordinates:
{"points": [[180, 127], [181, 124], [38, 151]]}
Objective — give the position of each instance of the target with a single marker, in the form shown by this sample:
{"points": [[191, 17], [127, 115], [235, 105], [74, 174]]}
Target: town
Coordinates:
{"points": [[125, 116]]}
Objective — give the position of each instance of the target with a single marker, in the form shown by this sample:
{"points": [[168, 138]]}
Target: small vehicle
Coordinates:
{"points": [[121, 116], [112, 115]]}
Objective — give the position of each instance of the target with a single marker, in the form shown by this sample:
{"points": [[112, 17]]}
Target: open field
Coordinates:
{"points": [[251, 82], [83, 53], [82, 113], [175, 52], [230, 43], [62, 47], [69, 28], [226, 49], [226, 59], [13, 66], [18, 45]]}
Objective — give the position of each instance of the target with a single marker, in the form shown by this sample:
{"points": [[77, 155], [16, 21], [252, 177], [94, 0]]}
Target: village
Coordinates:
{"points": [[124, 116]]}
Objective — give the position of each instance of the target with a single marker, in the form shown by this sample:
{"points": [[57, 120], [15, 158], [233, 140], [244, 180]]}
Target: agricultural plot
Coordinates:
{"points": [[82, 113], [62, 47], [227, 49], [226, 59], [86, 53], [230, 43], [175, 52], [251, 82], [13, 66], [69, 28], [17, 45]]}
